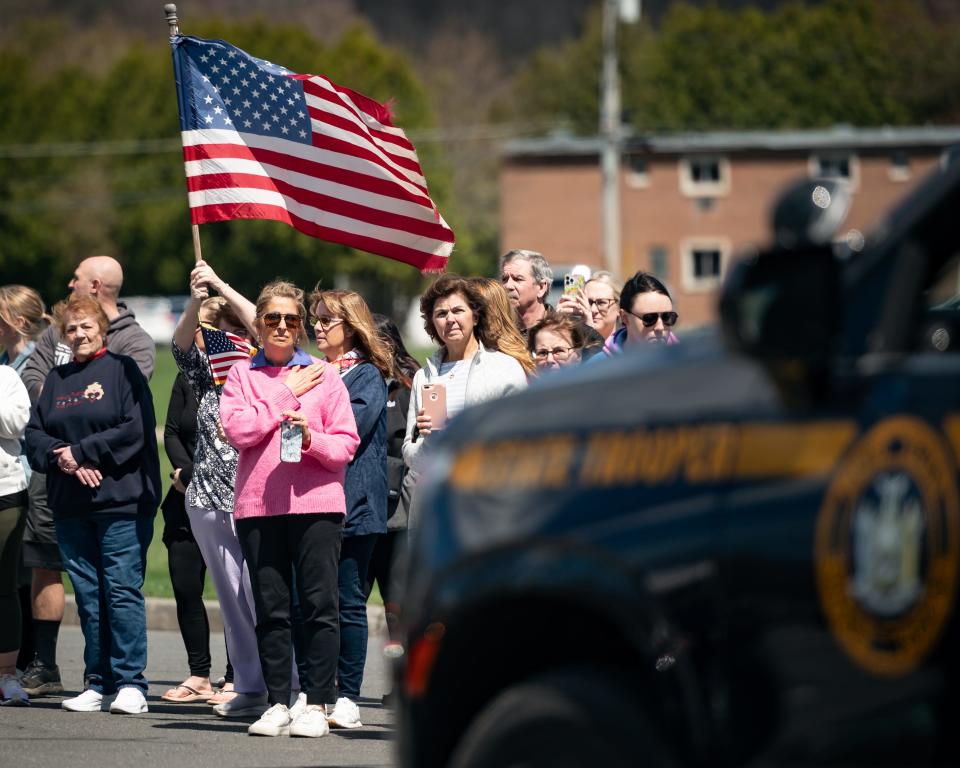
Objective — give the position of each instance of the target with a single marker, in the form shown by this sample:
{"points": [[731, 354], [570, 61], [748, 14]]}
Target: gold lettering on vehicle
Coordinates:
{"points": [[698, 454], [693, 454], [515, 464]]}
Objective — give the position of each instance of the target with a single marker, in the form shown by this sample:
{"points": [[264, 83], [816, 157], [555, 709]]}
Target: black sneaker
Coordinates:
{"points": [[40, 680]]}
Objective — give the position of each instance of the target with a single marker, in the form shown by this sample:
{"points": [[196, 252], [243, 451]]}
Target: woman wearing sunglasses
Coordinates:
{"points": [[348, 338], [289, 503], [647, 314]]}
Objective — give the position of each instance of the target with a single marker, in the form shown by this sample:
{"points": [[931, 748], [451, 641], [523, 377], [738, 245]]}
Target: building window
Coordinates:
{"points": [[899, 169], [637, 174], [658, 262], [704, 262], [840, 166], [704, 176]]}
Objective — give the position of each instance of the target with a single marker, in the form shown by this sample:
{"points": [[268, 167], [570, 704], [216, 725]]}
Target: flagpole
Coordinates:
{"points": [[173, 21]]}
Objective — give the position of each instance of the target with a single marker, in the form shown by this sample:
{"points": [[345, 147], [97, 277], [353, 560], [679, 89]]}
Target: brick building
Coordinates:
{"points": [[690, 203]]}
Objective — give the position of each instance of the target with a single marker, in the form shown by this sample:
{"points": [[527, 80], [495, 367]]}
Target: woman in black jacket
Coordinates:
{"points": [[399, 481], [92, 434]]}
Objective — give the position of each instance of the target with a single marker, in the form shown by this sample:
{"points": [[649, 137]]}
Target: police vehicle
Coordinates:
{"points": [[742, 550]]}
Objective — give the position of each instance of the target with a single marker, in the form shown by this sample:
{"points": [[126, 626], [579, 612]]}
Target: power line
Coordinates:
{"points": [[114, 148]]}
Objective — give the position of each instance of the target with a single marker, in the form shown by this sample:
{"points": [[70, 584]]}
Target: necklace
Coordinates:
{"points": [[452, 371]]}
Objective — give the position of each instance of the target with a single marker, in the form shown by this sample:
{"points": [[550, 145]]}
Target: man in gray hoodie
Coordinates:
{"points": [[100, 277]]}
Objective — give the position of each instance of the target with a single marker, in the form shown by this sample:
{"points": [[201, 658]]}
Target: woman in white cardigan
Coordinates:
{"points": [[468, 363]]}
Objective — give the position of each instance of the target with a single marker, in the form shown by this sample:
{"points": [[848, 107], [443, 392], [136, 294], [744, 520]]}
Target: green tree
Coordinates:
{"points": [[129, 198], [863, 62]]}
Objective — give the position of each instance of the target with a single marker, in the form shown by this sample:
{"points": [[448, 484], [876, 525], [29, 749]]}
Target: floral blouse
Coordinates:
{"points": [[215, 461]]}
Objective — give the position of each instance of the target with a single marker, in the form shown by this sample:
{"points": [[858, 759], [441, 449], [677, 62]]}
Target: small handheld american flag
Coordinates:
{"points": [[223, 350]]}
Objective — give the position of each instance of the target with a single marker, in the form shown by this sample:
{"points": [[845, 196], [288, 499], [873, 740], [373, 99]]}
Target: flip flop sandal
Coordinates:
{"points": [[221, 697], [192, 695]]}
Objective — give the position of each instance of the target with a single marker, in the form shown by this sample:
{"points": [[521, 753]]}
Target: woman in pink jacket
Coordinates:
{"points": [[289, 513]]}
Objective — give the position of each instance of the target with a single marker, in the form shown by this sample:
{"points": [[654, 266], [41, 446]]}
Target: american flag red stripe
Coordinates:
{"points": [[317, 170], [261, 142]]}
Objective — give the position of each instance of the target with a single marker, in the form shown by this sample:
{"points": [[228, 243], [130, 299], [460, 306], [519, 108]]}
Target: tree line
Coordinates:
{"points": [[89, 160]]}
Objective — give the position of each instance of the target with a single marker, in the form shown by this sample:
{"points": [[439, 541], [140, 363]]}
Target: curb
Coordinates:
{"points": [[162, 615]]}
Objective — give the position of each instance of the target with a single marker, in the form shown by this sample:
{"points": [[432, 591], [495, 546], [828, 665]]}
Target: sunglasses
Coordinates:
{"points": [[649, 319], [272, 320], [326, 323]]}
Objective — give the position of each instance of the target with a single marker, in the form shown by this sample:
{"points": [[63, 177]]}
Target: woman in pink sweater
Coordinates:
{"points": [[289, 514]]}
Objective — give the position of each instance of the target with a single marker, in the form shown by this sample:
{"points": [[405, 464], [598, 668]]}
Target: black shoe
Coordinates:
{"points": [[40, 680], [390, 700]]}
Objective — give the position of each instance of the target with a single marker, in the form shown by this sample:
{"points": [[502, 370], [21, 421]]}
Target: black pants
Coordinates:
{"points": [[311, 545], [12, 521], [187, 575]]}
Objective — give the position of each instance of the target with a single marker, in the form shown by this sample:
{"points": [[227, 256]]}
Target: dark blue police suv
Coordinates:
{"points": [[742, 550]]}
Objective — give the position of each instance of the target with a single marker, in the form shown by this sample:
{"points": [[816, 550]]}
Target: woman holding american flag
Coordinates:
{"points": [[205, 354]]}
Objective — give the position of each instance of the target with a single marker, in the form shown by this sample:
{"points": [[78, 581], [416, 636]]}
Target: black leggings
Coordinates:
{"points": [[187, 572], [12, 522], [383, 569]]}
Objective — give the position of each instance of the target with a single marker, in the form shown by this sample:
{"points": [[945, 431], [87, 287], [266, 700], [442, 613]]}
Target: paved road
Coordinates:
{"points": [[186, 735]]}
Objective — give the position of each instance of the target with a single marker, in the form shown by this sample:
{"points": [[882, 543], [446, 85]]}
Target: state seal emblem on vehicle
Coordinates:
{"points": [[887, 546]]}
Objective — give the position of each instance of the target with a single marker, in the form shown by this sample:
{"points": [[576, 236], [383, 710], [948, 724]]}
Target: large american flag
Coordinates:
{"points": [[261, 142], [224, 350]]}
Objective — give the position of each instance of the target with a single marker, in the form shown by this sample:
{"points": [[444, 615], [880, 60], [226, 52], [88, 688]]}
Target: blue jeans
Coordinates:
{"points": [[105, 558], [355, 553]]}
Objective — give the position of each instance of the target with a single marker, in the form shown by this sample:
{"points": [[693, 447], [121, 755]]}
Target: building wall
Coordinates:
{"points": [[553, 205]]}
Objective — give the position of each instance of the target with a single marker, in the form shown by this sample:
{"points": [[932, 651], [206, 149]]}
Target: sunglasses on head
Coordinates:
{"points": [[272, 320], [649, 319]]}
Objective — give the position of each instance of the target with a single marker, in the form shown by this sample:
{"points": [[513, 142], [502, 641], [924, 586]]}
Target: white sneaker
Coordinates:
{"points": [[298, 704], [311, 723], [274, 722], [88, 701], [345, 714], [130, 701], [243, 705], [11, 694]]}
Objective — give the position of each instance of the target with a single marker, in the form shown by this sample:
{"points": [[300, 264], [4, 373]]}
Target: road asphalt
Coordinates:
{"points": [[182, 735]]}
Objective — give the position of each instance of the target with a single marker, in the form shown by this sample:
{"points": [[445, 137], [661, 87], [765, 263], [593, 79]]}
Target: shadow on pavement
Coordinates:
{"points": [[365, 734], [220, 726]]}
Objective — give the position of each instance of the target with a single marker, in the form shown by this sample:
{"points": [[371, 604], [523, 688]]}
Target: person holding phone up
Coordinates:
{"points": [[290, 514], [468, 368]]}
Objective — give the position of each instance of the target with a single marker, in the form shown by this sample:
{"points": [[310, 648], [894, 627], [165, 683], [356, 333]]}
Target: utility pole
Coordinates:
{"points": [[610, 130]]}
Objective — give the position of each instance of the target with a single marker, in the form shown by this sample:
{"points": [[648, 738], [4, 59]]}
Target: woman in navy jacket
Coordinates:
{"points": [[92, 433], [347, 336]]}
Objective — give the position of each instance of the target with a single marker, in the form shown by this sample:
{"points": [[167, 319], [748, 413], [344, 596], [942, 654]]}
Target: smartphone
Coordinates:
{"points": [[291, 441], [434, 400], [572, 283]]}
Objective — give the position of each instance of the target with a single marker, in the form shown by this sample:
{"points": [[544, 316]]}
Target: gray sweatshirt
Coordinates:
{"points": [[124, 337]]}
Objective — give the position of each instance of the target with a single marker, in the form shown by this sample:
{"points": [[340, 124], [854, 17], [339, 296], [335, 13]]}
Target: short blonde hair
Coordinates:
{"points": [[283, 289], [607, 278]]}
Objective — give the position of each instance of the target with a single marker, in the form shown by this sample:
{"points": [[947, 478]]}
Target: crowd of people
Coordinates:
{"points": [[293, 476]]}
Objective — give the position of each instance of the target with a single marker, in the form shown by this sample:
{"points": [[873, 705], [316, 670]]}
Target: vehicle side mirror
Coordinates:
{"points": [[784, 305]]}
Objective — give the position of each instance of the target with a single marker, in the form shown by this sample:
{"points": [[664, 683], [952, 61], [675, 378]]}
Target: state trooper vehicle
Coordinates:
{"points": [[742, 550]]}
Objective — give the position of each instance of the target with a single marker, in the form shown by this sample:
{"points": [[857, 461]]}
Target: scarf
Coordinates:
{"points": [[345, 362]]}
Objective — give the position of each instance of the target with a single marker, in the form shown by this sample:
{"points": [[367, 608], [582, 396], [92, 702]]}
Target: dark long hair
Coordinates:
{"points": [[642, 282], [404, 364]]}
